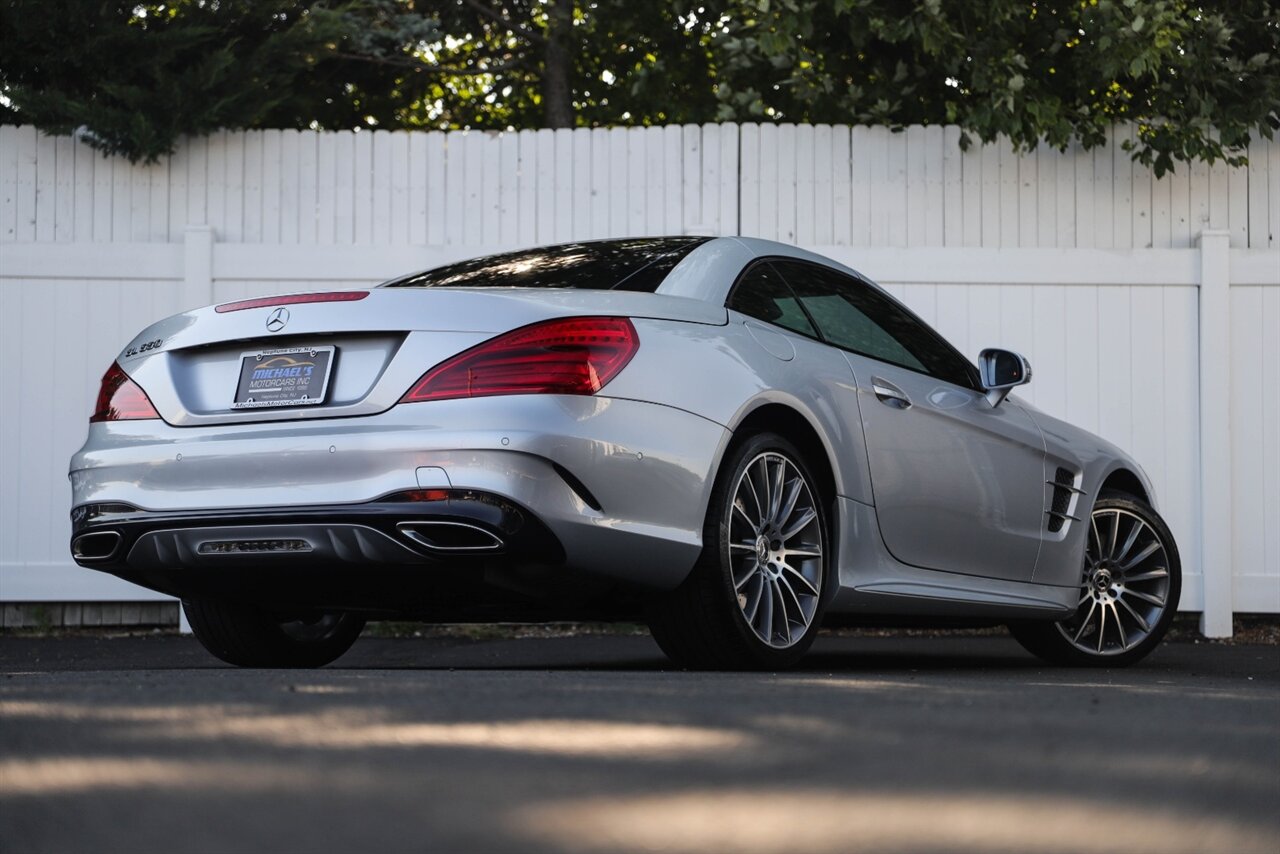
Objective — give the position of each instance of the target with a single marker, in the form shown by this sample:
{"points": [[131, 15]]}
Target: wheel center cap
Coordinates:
{"points": [[1102, 580], [762, 549]]}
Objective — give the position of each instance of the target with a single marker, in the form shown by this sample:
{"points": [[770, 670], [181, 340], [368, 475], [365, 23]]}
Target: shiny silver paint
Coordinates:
{"points": [[932, 461], [625, 451], [940, 497]]}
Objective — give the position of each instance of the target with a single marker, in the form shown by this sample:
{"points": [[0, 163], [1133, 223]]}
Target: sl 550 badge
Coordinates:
{"points": [[130, 352]]}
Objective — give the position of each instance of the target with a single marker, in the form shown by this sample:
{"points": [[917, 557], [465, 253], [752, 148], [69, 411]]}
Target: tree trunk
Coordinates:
{"points": [[557, 94]]}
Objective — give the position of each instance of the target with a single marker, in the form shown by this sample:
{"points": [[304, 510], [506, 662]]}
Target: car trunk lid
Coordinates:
{"points": [[195, 366]]}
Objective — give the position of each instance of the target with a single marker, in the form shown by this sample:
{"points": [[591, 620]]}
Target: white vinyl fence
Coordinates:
{"points": [[1150, 309]]}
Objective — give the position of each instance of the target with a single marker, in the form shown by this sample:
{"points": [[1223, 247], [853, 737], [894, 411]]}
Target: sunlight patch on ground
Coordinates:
{"points": [[72, 774], [321, 689], [349, 728], [559, 737], [826, 820]]}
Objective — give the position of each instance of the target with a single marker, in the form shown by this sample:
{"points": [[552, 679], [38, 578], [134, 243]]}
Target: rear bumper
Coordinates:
{"points": [[391, 555], [619, 488]]}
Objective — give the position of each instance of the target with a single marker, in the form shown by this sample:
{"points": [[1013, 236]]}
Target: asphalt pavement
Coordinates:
{"points": [[590, 743]]}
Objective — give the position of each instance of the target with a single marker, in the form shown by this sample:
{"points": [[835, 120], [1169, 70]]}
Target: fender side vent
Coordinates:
{"points": [[1064, 486]]}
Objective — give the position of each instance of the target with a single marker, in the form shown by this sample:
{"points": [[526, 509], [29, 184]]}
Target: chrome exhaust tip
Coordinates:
{"points": [[99, 545], [443, 536]]}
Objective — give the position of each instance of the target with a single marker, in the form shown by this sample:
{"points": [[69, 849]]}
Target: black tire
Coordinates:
{"points": [[703, 623], [249, 637], [1064, 642]]}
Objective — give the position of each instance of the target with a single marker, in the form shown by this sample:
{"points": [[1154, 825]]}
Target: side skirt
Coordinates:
{"points": [[872, 582]]}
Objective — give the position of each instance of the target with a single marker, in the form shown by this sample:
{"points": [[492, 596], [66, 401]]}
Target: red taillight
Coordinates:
{"points": [[121, 399], [577, 355], [418, 495], [264, 302]]}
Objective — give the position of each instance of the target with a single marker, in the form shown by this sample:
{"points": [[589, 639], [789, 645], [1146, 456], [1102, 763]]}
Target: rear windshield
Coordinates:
{"points": [[622, 265]]}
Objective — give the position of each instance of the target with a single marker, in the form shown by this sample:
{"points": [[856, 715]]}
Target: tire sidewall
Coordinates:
{"points": [[1047, 641], [717, 527]]}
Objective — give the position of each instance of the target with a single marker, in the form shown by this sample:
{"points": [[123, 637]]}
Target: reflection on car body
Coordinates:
{"points": [[734, 439]]}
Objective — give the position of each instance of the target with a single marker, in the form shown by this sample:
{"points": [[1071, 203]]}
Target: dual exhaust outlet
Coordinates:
{"points": [[445, 536], [99, 545], [435, 536]]}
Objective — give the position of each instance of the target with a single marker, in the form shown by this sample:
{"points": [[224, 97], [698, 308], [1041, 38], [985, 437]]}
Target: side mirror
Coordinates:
{"points": [[1002, 371]]}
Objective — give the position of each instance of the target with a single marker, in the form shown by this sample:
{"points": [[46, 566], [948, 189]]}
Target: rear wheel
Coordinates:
{"points": [[250, 637], [755, 598], [1129, 590]]}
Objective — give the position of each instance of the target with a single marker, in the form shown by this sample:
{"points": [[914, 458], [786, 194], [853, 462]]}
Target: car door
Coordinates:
{"points": [[958, 484], [805, 367]]}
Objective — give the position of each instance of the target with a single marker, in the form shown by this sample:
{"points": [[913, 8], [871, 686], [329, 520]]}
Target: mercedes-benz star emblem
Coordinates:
{"points": [[277, 319]]}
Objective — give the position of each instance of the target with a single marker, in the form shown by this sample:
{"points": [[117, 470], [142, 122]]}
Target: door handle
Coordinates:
{"points": [[889, 394]]}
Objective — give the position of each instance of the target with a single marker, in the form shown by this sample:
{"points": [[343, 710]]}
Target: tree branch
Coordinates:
{"points": [[506, 22], [419, 67]]}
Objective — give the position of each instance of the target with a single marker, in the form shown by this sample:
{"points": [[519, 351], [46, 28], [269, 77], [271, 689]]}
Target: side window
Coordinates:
{"points": [[856, 317], [763, 294]]}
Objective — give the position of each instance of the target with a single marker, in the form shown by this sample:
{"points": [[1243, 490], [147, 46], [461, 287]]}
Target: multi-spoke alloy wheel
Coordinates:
{"points": [[1129, 590], [756, 597], [775, 549], [1125, 588]]}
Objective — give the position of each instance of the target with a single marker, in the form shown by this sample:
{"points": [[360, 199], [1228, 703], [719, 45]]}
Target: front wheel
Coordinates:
{"points": [[1129, 591], [755, 598], [250, 637]]}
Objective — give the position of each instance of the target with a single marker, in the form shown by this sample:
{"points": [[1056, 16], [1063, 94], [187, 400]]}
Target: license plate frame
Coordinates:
{"points": [[293, 386]]}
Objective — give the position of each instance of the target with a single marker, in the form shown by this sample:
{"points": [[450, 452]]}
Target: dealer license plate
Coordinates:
{"points": [[290, 376]]}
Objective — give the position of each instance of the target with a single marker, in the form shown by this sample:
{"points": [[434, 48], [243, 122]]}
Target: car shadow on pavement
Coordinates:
{"points": [[640, 654], [831, 655]]}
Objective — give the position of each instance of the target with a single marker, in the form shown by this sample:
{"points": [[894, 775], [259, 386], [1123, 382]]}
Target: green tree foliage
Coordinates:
{"points": [[135, 77], [1195, 78]]}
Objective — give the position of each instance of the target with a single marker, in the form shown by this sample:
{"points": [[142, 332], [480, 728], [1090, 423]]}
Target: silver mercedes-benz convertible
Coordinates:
{"points": [[735, 439]]}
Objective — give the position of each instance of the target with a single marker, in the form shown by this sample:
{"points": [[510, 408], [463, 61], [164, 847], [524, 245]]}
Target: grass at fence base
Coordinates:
{"points": [[1250, 629]]}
